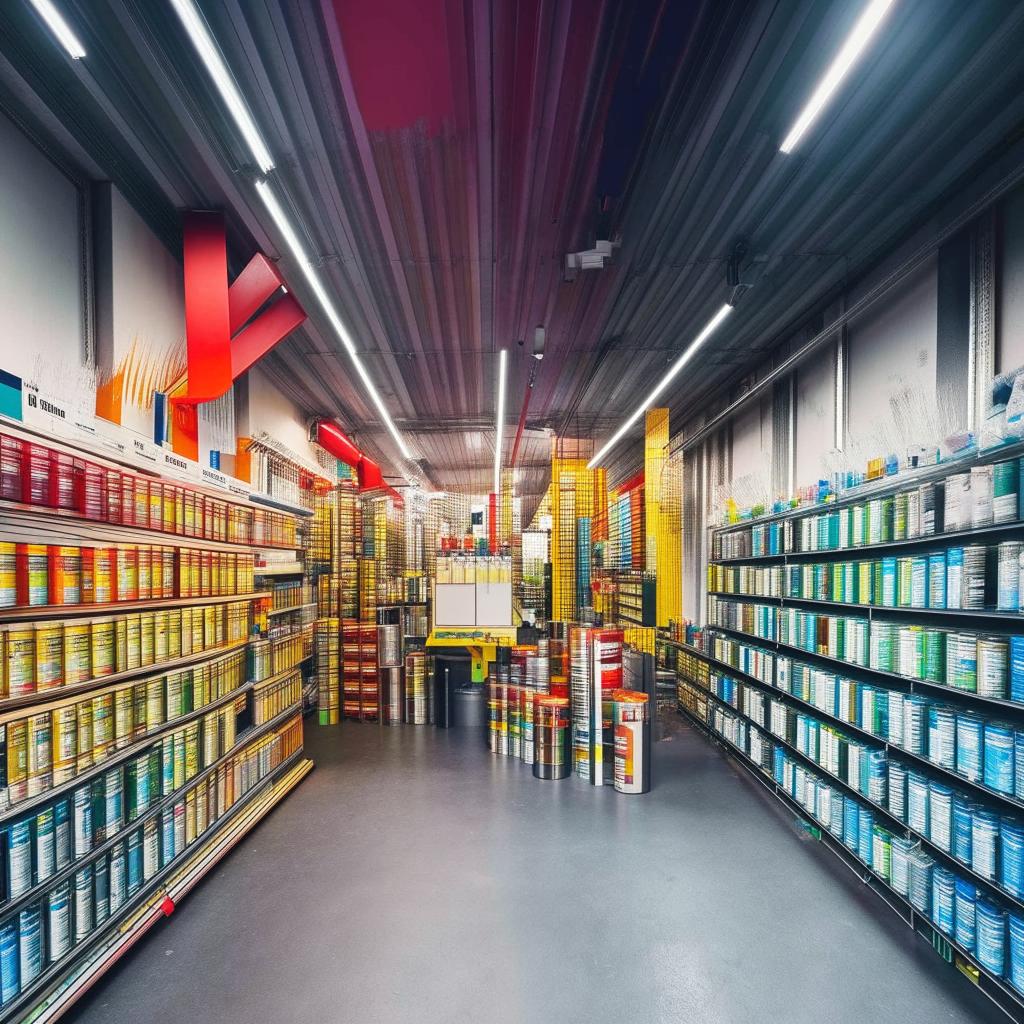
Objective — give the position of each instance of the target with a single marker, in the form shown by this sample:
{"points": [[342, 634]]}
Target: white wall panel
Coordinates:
{"points": [[815, 416], [1010, 287], [891, 399], [42, 335]]}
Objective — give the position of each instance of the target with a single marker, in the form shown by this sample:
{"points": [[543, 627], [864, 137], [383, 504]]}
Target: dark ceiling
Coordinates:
{"points": [[444, 155]]}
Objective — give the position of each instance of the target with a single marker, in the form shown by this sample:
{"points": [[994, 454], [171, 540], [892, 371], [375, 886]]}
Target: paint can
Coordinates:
{"points": [[940, 815], [917, 803], [937, 579], [969, 745], [990, 922], [963, 824], [900, 851], [1011, 857], [1015, 972], [58, 913], [942, 737], [1008, 576], [999, 757], [921, 867], [943, 899], [527, 696], [984, 843], [30, 945], [993, 659], [631, 722], [962, 661], [8, 575], [391, 693], [964, 906], [897, 790], [551, 737], [83, 903], [973, 586], [1004, 492], [881, 852]]}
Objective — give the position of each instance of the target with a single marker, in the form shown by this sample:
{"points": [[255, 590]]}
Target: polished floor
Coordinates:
{"points": [[414, 878]]}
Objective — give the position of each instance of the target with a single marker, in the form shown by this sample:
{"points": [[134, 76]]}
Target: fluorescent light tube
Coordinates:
{"points": [[706, 332], [279, 217], [59, 27], [500, 422], [207, 49], [844, 60]]}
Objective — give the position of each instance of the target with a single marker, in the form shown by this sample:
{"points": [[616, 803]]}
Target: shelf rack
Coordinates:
{"points": [[267, 758], [748, 697], [995, 989]]}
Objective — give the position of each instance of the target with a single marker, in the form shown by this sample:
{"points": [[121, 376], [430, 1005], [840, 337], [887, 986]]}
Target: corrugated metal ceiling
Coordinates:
{"points": [[444, 155]]}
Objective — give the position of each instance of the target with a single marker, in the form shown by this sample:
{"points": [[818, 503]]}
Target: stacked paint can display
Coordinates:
{"points": [[896, 724], [552, 731]]}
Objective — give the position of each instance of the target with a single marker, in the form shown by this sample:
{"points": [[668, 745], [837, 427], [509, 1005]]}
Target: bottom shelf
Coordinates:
{"points": [[109, 946], [999, 992]]}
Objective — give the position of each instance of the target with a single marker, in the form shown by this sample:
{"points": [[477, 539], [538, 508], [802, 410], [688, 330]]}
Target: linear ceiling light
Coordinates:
{"points": [[855, 43], [316, 286], [59, 27], [708, 330], [195, 25], [500, 422]]}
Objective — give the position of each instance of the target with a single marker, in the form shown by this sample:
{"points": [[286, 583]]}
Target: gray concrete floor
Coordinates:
{"points": [[414, 878]]}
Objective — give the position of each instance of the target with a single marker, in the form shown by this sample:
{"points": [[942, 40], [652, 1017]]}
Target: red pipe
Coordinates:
{"points": [[522, 417]]}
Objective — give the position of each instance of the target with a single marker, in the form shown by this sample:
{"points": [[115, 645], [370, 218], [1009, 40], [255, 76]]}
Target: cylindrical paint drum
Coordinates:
{"points": [[469, 709], [551, 738], [389, 646], [631, 722], [391, 694]]}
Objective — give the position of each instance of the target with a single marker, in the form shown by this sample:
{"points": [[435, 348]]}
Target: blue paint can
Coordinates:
{"points": [[991, 947], [901, 851], [921, 867], [999, 757], [1015, 974], [942, 736], [963, 825], [898, 790], [984, 843], [851, 825], [866, 825], [943, 890], [917, 803], [969, 745], [1017, 668], [1011, 857], [965, 906], [940, 816]]}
